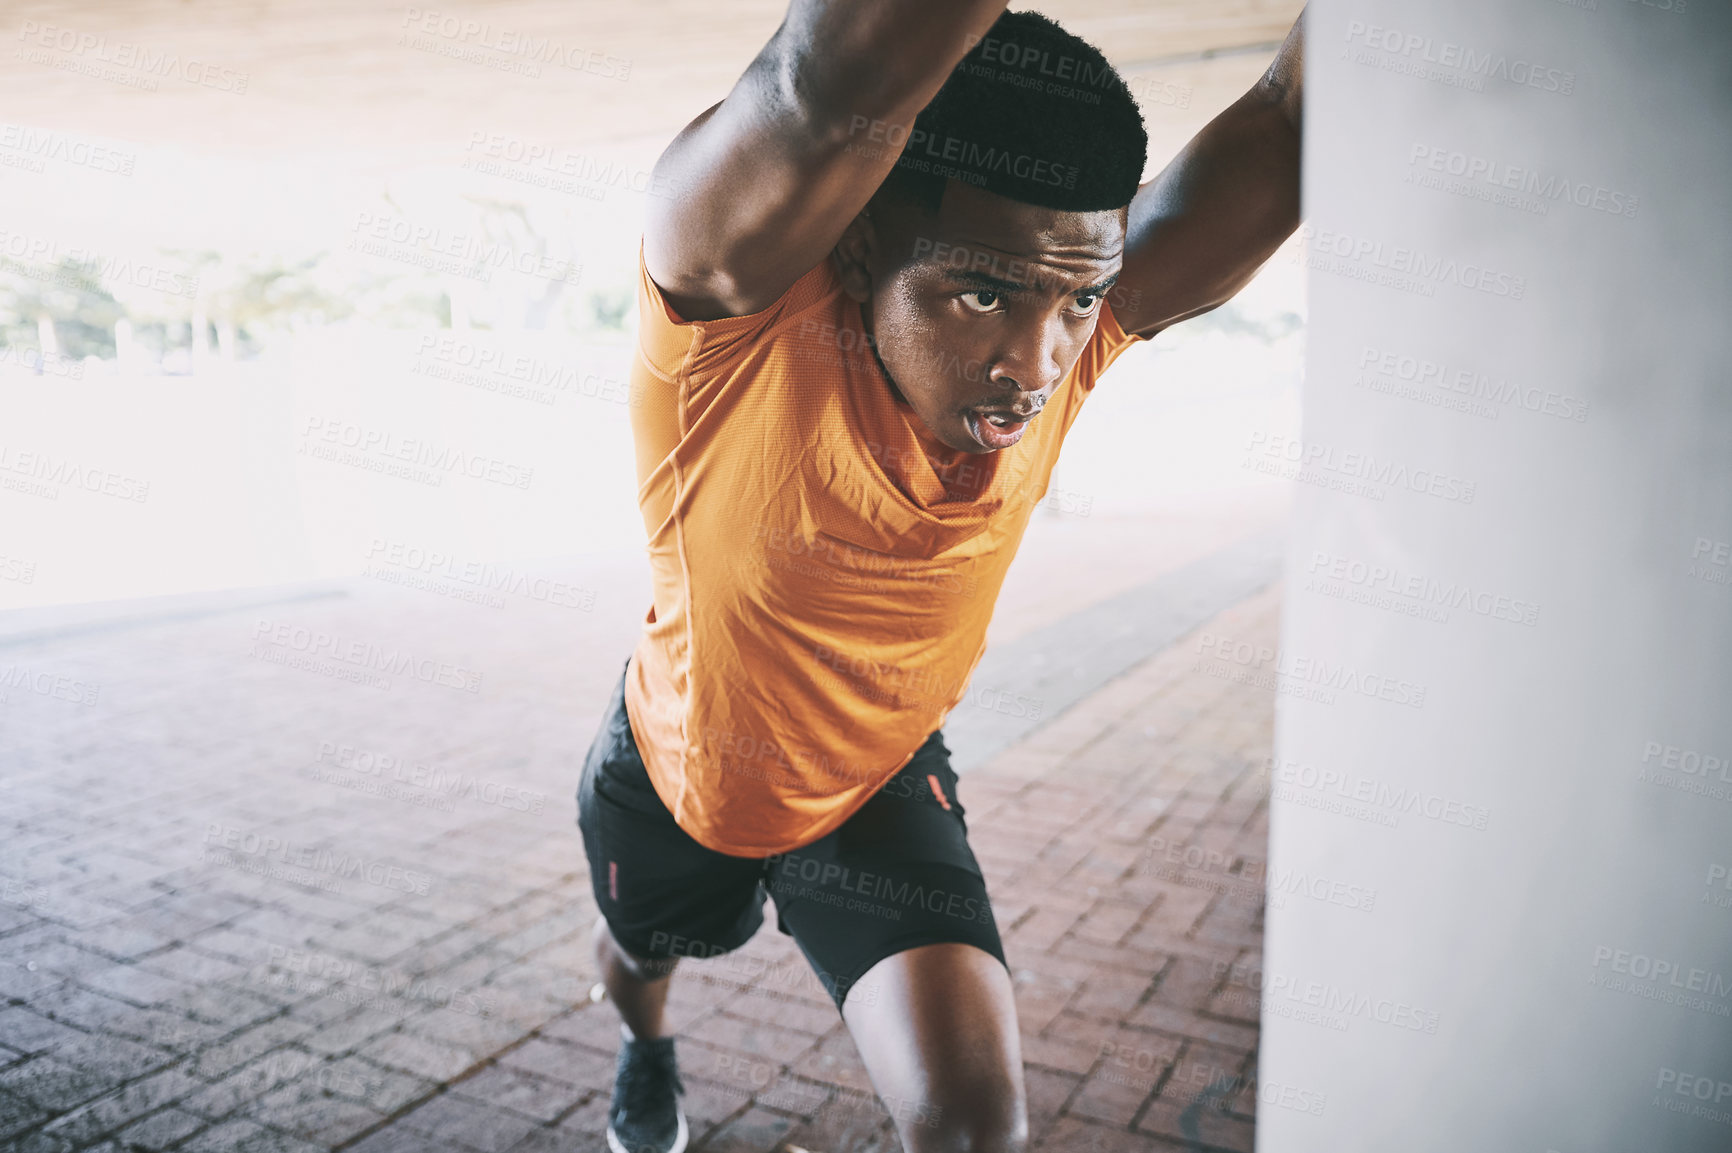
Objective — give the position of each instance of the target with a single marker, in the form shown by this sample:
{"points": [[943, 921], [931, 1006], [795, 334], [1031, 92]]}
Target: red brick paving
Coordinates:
{"points": [[160, 994]]}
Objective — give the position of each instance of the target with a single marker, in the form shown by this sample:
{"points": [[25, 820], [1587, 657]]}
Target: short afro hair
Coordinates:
{"points": [[1032, 113]]}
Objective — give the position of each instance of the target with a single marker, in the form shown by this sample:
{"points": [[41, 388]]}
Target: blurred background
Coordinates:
{"points": [[230, 224], [314, 327]]}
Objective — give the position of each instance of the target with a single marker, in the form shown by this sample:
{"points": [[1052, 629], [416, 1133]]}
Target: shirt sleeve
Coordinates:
{"points": [[699, 351]]}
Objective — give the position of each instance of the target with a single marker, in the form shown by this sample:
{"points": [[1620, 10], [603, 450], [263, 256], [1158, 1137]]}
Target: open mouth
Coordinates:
{"points": [[996, 430]]}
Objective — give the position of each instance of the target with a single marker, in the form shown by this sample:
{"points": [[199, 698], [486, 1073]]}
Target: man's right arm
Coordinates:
{"points": [[765, 183]]}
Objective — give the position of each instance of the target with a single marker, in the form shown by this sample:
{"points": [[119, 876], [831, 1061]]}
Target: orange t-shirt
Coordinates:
{"points": [[820, 596]]}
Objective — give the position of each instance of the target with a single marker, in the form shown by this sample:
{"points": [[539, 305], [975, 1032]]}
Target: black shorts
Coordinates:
{"points": [[896, 875]]}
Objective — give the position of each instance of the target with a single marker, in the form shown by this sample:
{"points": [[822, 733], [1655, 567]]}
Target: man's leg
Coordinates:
{"points": [[936, 1026], [661, 896], [892, 912], [638, 987]]}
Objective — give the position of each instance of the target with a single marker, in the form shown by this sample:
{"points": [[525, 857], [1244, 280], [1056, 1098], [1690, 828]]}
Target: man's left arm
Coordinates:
{"points": [[1201, 229]]}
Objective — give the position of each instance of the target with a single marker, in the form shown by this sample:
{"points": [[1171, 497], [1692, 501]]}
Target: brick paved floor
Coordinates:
{"points": [[246, 905]]}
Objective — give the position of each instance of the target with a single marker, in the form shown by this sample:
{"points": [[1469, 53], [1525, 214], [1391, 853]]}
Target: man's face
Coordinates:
{"points": [[980, 310]]}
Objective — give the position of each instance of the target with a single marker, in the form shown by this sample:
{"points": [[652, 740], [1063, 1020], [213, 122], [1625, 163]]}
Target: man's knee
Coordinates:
{"points": [[640, 968], [977, 1122], [944, 1037]]}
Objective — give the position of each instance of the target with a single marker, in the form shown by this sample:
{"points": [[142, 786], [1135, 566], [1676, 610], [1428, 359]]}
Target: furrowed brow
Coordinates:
{"points": [[973, 279]]}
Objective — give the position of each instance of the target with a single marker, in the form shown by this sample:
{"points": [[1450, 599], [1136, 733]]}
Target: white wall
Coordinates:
{"points": [[1538, 955]]}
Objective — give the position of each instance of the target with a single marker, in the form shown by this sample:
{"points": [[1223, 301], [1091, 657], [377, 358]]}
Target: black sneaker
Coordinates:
{"points": [[645, 1116]]}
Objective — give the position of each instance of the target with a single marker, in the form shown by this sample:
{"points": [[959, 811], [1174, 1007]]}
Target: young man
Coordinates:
{"points": [[904, 249]]}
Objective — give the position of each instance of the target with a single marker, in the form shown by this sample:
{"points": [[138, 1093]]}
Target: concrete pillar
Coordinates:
{"points": [[1502, 819]]}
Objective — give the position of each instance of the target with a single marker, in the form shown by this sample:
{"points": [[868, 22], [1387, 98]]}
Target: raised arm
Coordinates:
{"points": [[767, 181], [1200, 230]]}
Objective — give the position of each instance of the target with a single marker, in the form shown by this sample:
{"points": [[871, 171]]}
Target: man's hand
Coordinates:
{"points": [[765, 183], [1200, 230]]}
